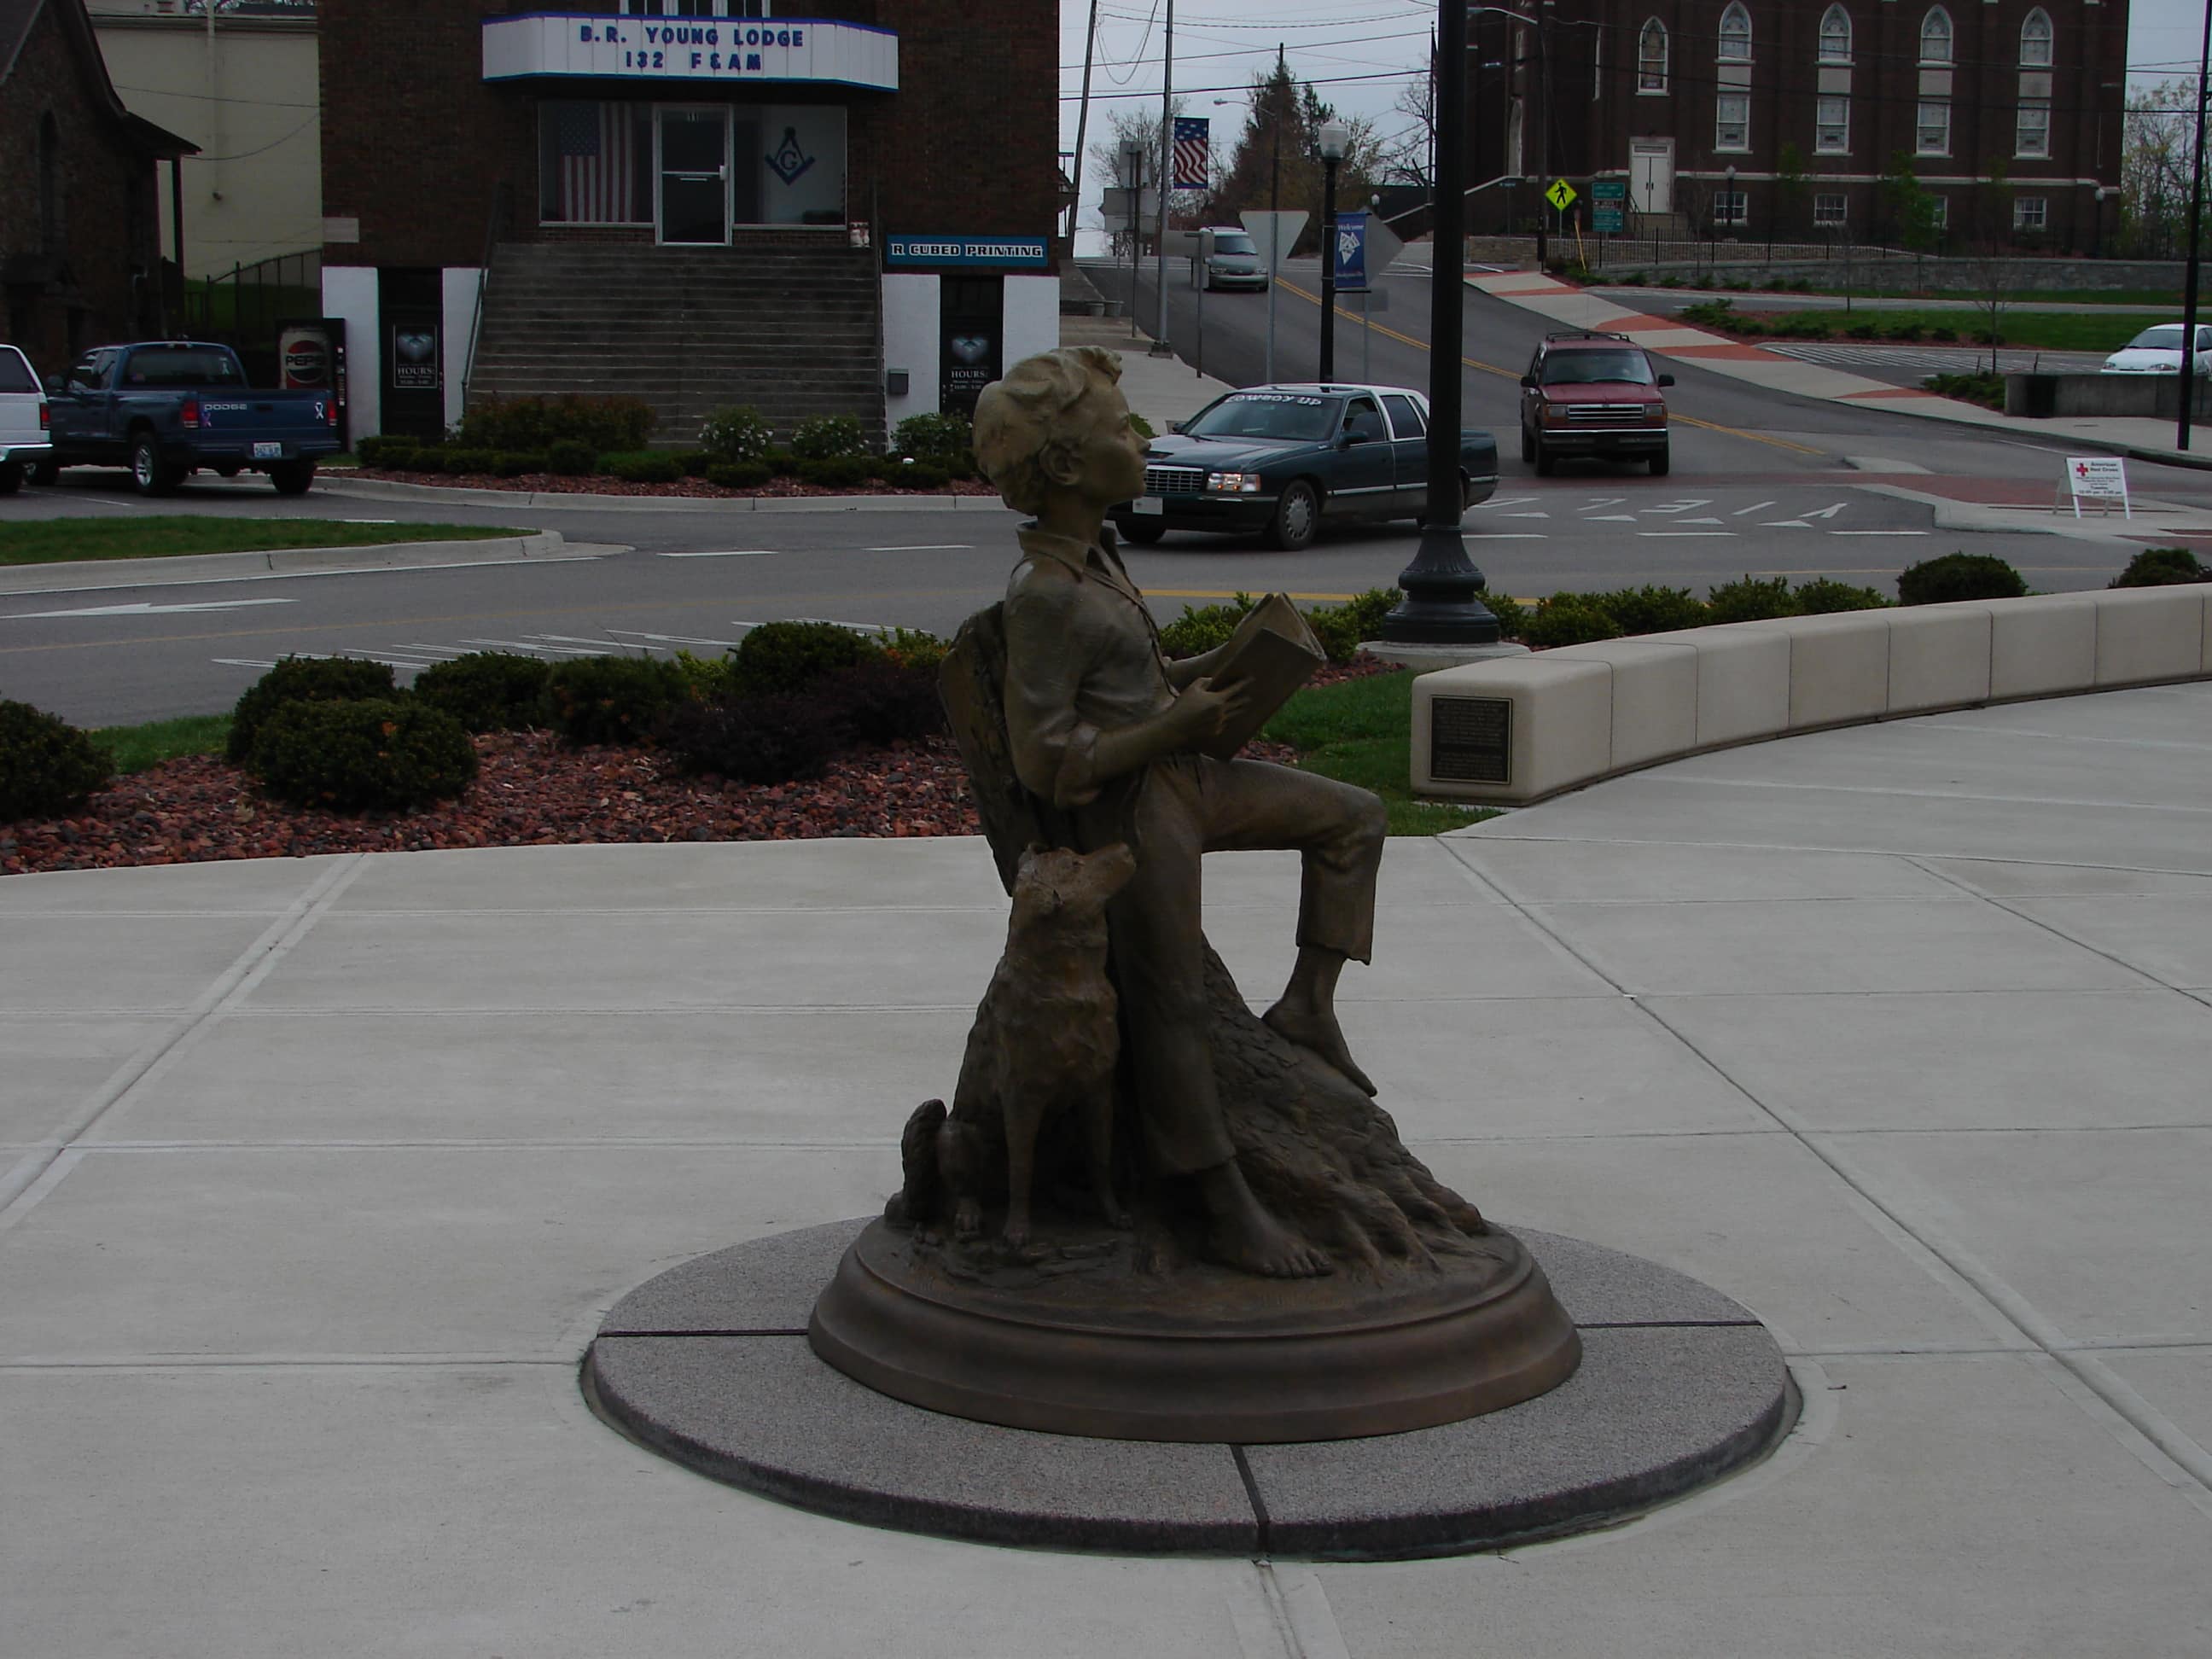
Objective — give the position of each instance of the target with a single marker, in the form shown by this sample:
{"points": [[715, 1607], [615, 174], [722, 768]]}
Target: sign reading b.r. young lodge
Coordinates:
{"points": [[688, 49]]}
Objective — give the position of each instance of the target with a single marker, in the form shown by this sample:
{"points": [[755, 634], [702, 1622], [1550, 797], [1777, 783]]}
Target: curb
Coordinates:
{"points": [[288, 560], [578, 501]]}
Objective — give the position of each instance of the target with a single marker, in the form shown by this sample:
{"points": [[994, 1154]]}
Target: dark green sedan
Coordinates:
{"points": [[1279, 461]]}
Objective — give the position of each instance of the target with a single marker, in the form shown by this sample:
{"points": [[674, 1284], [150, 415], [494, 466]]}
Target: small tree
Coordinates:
{"points": [[2158, 148], [1913, 210], [1992, 242], [1790, 184]]}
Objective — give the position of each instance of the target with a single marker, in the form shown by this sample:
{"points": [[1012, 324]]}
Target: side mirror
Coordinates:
{"points": [[54, 386], [1666, 380], [1528, 380], [1174, 426]]}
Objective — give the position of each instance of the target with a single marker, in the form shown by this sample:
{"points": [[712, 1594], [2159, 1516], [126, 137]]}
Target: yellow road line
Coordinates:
{"points": [[1513, 374], [1224, 593]]}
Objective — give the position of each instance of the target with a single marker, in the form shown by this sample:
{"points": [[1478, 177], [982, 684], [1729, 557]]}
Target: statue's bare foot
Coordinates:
{"points": [[1245, 1236], [1316, 1031]]}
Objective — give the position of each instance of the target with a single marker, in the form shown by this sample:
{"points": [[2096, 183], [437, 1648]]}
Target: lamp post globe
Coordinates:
{"points": [[1335, 139]]}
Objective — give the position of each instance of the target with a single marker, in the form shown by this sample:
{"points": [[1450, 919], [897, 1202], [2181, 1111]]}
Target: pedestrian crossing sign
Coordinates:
{"points": [[1561, 195]]}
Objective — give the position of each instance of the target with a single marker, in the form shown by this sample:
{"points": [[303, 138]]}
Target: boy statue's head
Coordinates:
{"points": [[1033, 429]]}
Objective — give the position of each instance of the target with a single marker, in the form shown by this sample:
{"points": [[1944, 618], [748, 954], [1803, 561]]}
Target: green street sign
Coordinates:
{"points": [[1606, 217], [1608, 189]]}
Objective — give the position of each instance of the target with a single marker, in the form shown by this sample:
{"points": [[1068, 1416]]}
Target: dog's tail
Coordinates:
{"points": [[922, 1197]]}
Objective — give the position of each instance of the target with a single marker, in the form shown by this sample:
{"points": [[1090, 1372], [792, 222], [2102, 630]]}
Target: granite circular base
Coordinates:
{"points": [[709, 1364], [1206, 1353]]}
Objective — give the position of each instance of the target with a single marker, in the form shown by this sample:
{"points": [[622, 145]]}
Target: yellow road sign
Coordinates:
{"points": [[1561, 195]]}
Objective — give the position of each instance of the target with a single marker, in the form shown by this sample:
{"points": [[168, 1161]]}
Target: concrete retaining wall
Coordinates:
{"points": [[2157, 395], [1518, 729]]}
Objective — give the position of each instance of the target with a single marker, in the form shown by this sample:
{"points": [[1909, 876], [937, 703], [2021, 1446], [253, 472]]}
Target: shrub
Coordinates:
{"points": [[47, 767], [781, 659], [828, 437], [396, 454], [612, 699], [737, 475], [1632, 279], [1987, 390], [880, 701], [1649, 610], [1710, 313], [781, 462], [1749, 599], [705, 678], [923, 475], [487, 690], [1751, 324], [514, 464], [1202, 627], [1341, 628], [378, 451], [738, 433], [1907, 330], [834, 472], [915, 648], [879, 467], [356, 755], [1864, 331], [466, 460], [304, 679], [753, 740], [2161, 566], [1943, 332], [1822, 597], [939, 438], [1959, 576], [1142, 427], [1568, 619], [695, 462], [644, 466], [572, 457], [534, 423], [1512, 615], [423, 460]]}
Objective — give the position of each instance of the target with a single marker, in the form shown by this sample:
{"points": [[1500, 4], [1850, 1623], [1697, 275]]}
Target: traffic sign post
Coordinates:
{"points": [[1562, 195], [1608, 205], [1274, 234]]}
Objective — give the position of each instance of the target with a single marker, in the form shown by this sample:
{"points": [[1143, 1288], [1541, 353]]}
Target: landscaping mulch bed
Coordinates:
{"points": [[532, 790], [558, 484]]}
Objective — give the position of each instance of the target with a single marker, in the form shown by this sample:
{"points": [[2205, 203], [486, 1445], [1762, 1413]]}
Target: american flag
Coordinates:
{"points": [[1193, 154], [592, 141]]}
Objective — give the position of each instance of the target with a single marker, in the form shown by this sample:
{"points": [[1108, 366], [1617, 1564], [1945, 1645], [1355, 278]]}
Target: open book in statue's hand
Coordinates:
{"points": [[1271, 653]]}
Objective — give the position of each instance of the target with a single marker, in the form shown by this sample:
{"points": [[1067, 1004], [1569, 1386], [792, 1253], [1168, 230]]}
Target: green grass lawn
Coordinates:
{"points": [[1362, 732], [2083, 296], [2047, 330], [137, 747], [45, 541]]}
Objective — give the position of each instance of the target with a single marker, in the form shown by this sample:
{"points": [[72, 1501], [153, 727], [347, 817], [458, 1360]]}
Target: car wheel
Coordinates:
{"points": [[11, 479], [1298, 518], [149, 474], [1543, 460], [1527, 446], [43, 472], [1660, 460], [1144, 532], [292, 477]]}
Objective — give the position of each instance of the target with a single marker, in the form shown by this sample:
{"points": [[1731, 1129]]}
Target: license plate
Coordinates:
{"points": [[268, 451], [1148, 504]]}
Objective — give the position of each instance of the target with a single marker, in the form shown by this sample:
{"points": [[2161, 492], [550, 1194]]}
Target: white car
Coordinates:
{"points": [[2158, 351], [26, 427]]}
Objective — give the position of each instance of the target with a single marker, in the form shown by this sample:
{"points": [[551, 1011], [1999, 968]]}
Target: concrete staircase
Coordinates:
{"points": [[795, 332]]}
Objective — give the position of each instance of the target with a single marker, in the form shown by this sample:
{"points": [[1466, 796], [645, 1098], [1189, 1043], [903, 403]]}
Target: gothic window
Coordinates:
{"points": [[1936, 37], [1736, 34], [2035, 40], [1652, 57], [50, 185], [1836, 36]]}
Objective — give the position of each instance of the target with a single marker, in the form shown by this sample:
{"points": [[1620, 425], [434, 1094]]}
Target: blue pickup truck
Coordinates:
{"points": [[166, 408]]}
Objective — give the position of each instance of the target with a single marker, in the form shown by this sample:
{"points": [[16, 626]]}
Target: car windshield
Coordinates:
{"points": [[171, 366], [2166, 336], [1233, 242], [1584, 367], [1292, 415]]}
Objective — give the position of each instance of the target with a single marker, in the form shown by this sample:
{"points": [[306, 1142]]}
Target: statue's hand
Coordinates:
{"points": [[1202, 708]]}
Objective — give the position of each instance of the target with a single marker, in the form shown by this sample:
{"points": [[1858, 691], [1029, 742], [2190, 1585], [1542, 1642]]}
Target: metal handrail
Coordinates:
{"points": [[494, 222]]}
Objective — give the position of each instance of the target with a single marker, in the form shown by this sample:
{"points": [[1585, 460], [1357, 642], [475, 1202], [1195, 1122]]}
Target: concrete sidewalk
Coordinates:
{"points": [[318, 1174], [1667, 336]]}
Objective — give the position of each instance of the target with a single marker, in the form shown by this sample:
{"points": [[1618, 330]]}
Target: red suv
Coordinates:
{"points": [[1593, 394]]}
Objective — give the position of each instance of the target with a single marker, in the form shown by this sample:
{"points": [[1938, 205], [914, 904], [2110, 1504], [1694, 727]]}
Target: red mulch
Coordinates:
{"points": [[554, 484], [532, 790]]}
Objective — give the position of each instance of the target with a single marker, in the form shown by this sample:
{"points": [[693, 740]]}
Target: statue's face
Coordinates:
{"points": [[1114, 453]]}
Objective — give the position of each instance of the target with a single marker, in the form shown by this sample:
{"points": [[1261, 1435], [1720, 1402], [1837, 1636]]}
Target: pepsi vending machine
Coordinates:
{"points": [[311, 358]]}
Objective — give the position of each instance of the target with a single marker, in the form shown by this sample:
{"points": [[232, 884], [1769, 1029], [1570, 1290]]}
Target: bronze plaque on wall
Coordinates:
{"points": [[1471, 739]]}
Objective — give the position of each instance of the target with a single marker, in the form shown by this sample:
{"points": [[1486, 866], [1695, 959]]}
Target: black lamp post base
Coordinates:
{"points": [[1443, 602]]}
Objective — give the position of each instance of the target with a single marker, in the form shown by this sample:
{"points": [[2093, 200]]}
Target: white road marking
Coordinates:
{"points": [[144, 608], [1662, 534], [1602, 500], [1756, 507], [927, 547], [1513, 535], [1825, 512], [724, 553], [1786, 524], [368, 521], [1524, 516], [532, 650], [1608, 517], [241, 662], [1877, 532], [1676, 506], [671, 639], [1495, 502], [1697, 521]]}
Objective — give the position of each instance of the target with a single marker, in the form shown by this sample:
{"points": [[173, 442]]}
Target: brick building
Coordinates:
{"points": [[694, 201], [79, 254], [1691, 102]]}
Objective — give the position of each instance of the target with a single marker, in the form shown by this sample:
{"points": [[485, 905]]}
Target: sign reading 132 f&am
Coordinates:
{"points": [[720, 50]]}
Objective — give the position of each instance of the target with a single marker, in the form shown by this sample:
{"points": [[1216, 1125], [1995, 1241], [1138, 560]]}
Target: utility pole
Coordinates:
{"points": [[1160, 346], [1082, 121], [1543, 126], [2195, 226], [1275, 204]]}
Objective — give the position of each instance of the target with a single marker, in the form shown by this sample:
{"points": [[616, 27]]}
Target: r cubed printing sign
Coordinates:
{"points": [[969, 252]]}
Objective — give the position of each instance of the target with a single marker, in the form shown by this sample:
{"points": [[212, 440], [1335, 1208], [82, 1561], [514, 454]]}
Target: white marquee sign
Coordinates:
{"points": [[688, 51]]}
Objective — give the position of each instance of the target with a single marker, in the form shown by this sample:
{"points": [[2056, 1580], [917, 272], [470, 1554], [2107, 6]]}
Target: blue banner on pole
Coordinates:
{"points": [[1351, 253]]}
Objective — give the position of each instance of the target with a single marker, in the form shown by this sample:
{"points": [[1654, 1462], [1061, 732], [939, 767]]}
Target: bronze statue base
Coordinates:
{"points": [[1075, 1337]]}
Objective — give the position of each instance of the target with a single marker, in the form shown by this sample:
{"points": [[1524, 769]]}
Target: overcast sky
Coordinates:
{"points": [[1360, 52]]}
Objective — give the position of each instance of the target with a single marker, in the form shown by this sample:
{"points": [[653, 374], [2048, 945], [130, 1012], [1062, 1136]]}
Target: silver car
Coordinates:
{"points": [[1235, 261], [2158, 351]]}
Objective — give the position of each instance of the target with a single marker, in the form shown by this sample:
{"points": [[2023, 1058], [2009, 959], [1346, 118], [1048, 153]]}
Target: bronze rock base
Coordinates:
{"points": [[1074, 1338]]}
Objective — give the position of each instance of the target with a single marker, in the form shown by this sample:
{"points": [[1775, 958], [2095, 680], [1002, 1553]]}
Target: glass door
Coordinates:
{"points": [[695, 175]]}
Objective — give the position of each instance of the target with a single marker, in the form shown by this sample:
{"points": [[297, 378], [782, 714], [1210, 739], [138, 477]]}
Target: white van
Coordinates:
{"points": [[26, 429]]}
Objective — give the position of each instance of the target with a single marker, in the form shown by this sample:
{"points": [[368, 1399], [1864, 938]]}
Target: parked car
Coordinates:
{"points": [[1235, 261], [2157, 350], [166, 408], [1587, 393], [26, 440], [1280, 460]]}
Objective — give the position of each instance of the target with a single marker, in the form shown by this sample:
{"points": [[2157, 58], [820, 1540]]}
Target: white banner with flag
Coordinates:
{"points": [[1194, 153], [595, 159]]}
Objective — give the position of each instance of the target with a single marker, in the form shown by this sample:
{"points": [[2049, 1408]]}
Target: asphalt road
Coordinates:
{"points": [[1762, 484]]}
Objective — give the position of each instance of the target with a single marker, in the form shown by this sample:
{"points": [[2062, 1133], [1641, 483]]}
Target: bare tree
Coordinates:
{"points": [[2158, 150], [1140, 125]]}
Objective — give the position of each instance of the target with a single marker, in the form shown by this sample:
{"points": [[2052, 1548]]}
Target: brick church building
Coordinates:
{"points": [[698, 201], [1696, 105]]}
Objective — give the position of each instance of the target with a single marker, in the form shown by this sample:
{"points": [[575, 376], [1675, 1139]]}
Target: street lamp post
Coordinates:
{"points": [[1336, 136], [1443, 602], [2196, 220]]}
